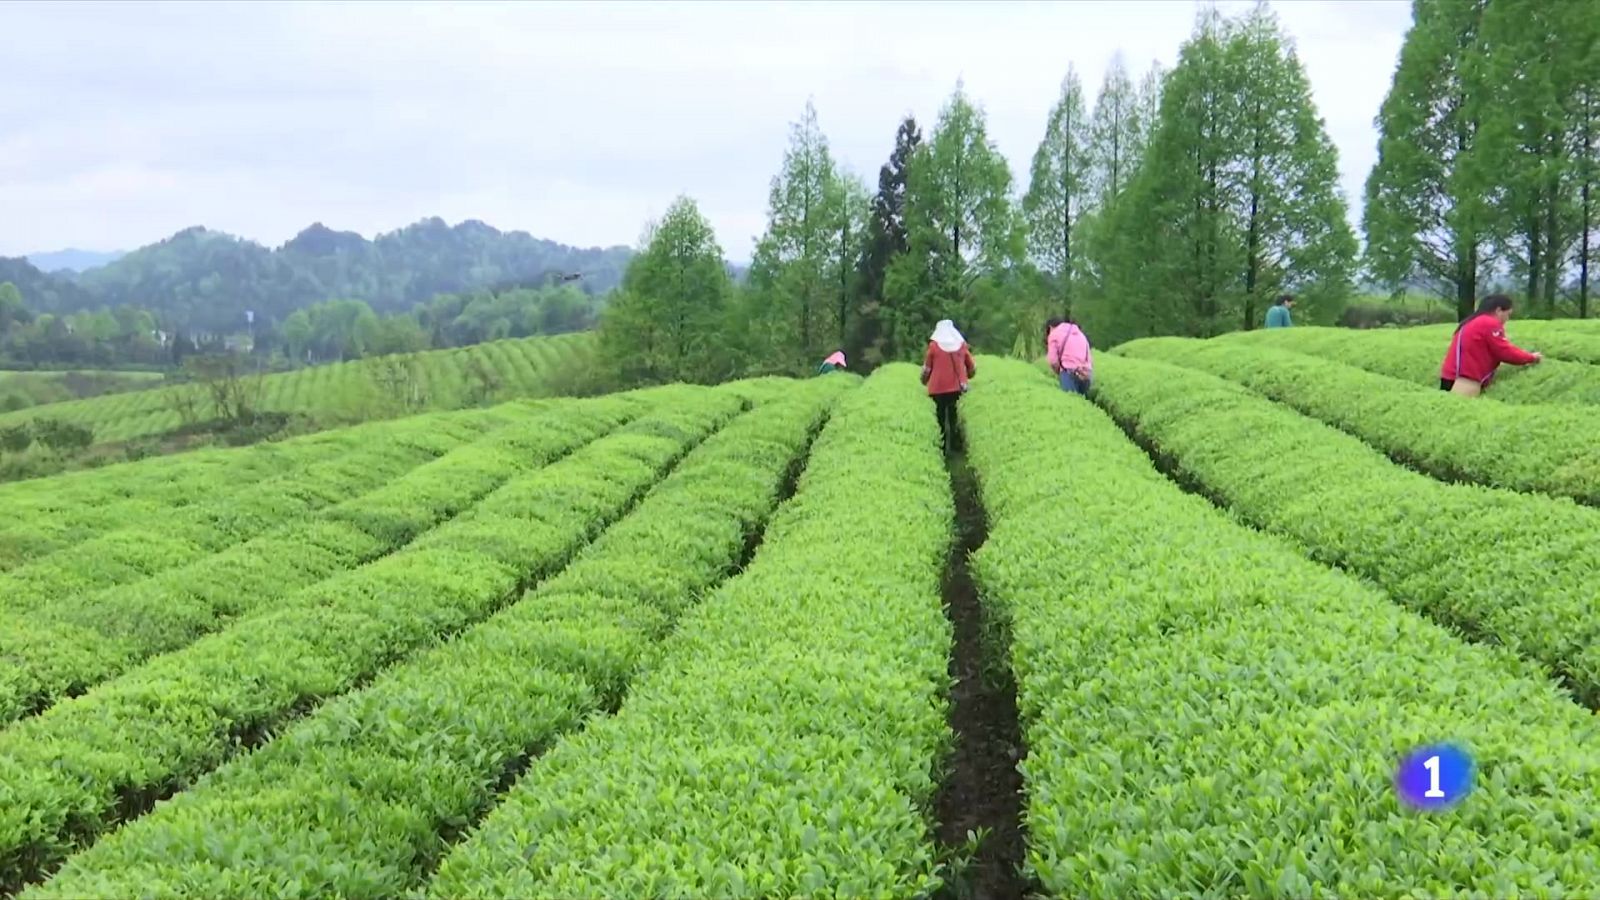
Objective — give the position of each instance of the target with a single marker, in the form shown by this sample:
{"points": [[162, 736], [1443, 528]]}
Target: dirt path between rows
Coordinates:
{"points": [[983, 789]]}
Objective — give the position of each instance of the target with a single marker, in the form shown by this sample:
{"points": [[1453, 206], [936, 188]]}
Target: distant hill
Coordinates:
{"points": [[72, 259], [41, 291], [206, 280]]}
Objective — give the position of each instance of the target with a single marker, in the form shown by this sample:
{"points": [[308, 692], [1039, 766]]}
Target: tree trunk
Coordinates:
{"points": [[1583, 255], [1066, 226], [844, 277], [1534, 261], [805, 256], [1552, 252], [1466, 282], [1253, 240]]}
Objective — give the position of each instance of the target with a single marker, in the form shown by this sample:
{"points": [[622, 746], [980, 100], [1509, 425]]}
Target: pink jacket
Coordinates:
{"points": [[1068, 349]]}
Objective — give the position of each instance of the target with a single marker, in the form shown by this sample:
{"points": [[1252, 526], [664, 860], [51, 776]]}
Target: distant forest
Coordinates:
{"points": [[324, 296], [203, 281]]}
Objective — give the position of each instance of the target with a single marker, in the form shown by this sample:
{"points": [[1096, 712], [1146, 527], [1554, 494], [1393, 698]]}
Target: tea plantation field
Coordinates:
{"points": [[20, 390], [708, 641], [339, 392]]}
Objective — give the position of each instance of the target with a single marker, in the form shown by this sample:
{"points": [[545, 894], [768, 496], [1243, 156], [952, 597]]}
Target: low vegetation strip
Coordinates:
{"points": [[20, 390], [360, 798], [1415, 355], [1514, 568], [1573, 340], [786, 742], [342, 392], [1556, 447], [1567, 339], [70, 645], [87, 764], [207, 526], [1209, 713], [46, 515]]}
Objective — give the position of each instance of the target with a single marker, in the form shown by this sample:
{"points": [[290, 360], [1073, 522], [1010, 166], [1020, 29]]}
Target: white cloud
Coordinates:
{"points": [[121, 123]]}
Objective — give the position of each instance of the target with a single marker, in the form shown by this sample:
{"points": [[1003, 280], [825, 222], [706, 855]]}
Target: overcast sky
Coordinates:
{"points": [[122, 123]]}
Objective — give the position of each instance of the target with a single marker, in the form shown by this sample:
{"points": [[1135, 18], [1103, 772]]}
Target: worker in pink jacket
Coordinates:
{"points": [[1067, 349]]}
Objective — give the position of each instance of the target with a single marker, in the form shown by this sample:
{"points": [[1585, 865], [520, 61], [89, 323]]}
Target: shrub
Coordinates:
{"points": [[61, 436], [1207, 712]]}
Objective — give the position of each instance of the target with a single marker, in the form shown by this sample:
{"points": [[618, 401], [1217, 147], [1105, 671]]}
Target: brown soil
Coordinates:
{"points": [[983, 789]]}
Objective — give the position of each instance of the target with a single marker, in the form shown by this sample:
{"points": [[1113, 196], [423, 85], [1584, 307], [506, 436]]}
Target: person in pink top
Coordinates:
{"points": [[1067, 349]]}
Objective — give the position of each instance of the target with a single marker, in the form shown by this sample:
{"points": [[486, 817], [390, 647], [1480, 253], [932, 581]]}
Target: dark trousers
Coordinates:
{"points": [[944, 407], [1073, 384], [1446, 384]]}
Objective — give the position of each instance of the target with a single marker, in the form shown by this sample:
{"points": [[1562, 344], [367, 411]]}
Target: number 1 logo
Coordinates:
{"points": [[1432, 765], [1434, 777]]}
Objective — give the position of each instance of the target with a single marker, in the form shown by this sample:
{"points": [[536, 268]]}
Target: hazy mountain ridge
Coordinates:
{"points": [[73, 260], [204, 279]]}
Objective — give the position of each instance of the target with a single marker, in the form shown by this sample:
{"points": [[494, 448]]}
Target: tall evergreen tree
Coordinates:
{"points": [[1426, 217], [886, 239], [1147, 104], [1526, 71], [1059, 190], [792, 276], [1117, 133], [1584, 133], [1120, 127], [1236, 199], [961, 227], [850, 234], [668, 321], [1297, 236]]}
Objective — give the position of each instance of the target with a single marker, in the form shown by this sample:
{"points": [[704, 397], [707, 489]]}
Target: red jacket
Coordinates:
{"points": [[945, 369], [1478, 348]]}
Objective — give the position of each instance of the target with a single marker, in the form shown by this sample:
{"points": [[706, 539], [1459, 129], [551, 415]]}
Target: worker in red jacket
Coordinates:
{"points": [[1479, 346], [947, 367]]}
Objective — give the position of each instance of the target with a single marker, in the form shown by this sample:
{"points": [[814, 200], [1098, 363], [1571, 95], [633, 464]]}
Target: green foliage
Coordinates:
{"points": [[1415, 354], [1226, 721], [15, 439], [780, 746], [801, 286], [872, 341], [200, 280], [1119, 130], [70, 768], [104, 337], [1509, 567], [961, 227], [670, 318], [60, 436], [369, 490], [1426, 216], [1557, 451], [475, 707], [1399, 310], [334, 394], [1236, 199], [1059, 192], [21, 390], [1529, 72]]}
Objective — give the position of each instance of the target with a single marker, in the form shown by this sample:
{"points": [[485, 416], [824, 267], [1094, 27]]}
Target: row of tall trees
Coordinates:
{"points": [[1178, 202], [124, 336], [336, 330], [1182, 202], [350, 329], [1489, 153], [1235, 199]]}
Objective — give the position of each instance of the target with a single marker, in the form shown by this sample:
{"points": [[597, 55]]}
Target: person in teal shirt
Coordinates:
{"points": [[1278, 313]]}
